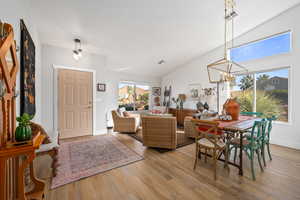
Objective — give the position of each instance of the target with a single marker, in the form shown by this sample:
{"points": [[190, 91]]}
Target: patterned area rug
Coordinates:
{"points": [[90, 156], [182, 140]]}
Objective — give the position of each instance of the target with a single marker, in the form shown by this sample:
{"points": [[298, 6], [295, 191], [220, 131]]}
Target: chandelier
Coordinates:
{"points": [[77, 52], [225, 70]]}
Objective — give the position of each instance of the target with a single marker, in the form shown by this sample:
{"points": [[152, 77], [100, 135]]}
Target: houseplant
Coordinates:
{"points": [[23, 131]]}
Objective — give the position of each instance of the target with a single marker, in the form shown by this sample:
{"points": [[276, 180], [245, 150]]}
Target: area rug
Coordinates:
{"points": [[86, 157], [182, 140]]}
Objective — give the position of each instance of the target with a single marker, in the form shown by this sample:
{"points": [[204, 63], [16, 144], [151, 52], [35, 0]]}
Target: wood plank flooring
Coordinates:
{"points": [[170, 175]]}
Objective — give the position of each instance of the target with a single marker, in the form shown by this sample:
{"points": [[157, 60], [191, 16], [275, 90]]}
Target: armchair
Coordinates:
{"points": [[159, 132], [125, 124]]}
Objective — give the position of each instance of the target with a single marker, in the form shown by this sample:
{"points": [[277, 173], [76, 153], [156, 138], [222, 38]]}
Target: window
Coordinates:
{"points": [[280, 43], [266, 92], [133, 96]]}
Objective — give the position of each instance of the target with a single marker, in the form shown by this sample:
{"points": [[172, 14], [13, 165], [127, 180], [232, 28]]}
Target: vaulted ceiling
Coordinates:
{"points": [[136, 34]]}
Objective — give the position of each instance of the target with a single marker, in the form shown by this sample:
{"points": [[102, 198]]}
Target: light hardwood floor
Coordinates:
{"points": [[170, 176]]}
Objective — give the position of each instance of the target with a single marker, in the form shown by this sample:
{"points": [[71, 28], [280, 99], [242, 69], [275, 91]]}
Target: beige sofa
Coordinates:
{"points": [[159, 131], [125, 124]]}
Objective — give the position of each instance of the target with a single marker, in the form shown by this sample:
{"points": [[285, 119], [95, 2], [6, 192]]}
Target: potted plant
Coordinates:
{"points": [[23, 131]]}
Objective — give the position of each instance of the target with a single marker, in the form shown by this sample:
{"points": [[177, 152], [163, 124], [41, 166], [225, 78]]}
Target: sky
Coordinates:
{"points": [[262, 48]]}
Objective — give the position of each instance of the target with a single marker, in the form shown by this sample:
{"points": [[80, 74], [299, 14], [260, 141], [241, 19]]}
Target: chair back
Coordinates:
{"points": [[269, 127], [159, 131], [209, 130], [258, 132], [257, 114]]}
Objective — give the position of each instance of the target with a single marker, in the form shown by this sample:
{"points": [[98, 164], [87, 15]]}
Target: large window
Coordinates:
{"points": [[134, 96], [278, 44], [266, 92]]}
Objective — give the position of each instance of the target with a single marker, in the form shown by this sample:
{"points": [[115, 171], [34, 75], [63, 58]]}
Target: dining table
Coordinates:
{"points": [[236, 128]]}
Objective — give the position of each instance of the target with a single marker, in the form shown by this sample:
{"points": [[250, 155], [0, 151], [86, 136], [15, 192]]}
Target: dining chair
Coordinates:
{"points": [[266, 138], [257, 114], [252, 144], [210, 138]]}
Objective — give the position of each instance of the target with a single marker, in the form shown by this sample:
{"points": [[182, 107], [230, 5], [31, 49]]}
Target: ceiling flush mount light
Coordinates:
{"points": [[77, 52], [225, 70]]}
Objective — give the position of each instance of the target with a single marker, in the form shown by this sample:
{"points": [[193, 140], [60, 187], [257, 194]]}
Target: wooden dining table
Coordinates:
{"points": [[237, 129]]}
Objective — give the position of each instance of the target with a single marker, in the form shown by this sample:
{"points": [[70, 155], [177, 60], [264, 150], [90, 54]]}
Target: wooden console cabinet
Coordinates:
{"points": [[180, 114]]}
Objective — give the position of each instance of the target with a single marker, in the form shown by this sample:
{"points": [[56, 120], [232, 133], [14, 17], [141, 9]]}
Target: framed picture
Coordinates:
{"points": [[27, 69], [101, 87], [156, 91]]}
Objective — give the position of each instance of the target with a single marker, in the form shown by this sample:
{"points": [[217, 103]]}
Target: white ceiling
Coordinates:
{"points": [[136, 34]]}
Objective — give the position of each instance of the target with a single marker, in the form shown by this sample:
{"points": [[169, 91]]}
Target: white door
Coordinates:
{"points": [[75, 108]]}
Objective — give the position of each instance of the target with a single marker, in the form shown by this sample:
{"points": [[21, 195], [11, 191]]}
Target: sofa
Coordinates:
{"points": [[159, 131]]}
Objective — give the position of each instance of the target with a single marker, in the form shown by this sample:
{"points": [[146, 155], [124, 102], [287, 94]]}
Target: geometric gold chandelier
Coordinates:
{"points": [[225, 70]]}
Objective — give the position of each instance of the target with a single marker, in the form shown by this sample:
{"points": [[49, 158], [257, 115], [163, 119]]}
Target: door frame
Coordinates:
{"points": [[55, 96]]}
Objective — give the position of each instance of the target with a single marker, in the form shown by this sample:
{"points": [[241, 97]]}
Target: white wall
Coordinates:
{"points": [[195, 71], [105, 101], [11, 12]]}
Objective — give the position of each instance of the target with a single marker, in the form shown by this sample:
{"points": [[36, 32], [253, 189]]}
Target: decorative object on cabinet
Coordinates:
{"points": [[167, 97], [232, 107], [27, 73], [23, 131], [200, 107], [156, 91], [206, 106], [11, 165], [225, 70], [101, 87]]}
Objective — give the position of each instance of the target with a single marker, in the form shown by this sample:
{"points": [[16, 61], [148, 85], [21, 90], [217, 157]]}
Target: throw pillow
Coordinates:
{"points": [[121, 111], [126, 114]]}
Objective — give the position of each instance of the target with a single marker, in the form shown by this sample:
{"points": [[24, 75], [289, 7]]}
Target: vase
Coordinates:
{"points": [[232, 107], [23, 133]]}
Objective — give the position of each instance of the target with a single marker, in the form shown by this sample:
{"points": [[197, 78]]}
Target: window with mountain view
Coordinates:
{"points": [[133, 96], [266, 92]]}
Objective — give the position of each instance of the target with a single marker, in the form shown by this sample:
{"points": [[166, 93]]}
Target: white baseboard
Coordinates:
{"points": [[100, 132]]}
